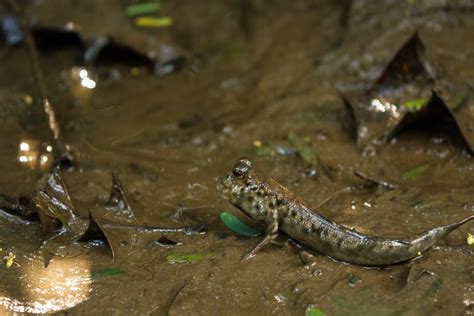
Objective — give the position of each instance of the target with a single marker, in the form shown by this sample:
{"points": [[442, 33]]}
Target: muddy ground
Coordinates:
{"points": [[255, 71]]}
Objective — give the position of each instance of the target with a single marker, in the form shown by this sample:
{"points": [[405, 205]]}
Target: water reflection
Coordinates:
{"points": [[380, 105], [35, 154], [50, 289], [86, 81], [81, 82]]}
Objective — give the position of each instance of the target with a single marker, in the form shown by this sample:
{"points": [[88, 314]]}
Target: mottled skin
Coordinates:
{"points": [[262, 198]]}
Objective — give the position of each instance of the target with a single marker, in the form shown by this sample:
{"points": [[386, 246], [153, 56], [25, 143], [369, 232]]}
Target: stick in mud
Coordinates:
{"points": [[63, 156]]}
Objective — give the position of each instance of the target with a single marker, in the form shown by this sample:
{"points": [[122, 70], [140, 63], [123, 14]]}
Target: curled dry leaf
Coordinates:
{"points": [[406, 94]]}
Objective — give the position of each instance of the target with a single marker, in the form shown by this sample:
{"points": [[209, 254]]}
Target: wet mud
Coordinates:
{"points": [[255, 73]]}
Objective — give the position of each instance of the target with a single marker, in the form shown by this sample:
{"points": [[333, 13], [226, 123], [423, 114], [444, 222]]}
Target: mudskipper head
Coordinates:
{"points": [[239, 187]]}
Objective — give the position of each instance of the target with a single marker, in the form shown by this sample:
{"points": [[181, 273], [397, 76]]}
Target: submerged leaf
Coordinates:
{"points": [[267, 149], [416, 104], [303, 149], [415, 172], [307, 152], [187, 257], [437, 285], [142, 8], [236, 225], [96, 276], [460, 101], [313, 311], [106, 273]]}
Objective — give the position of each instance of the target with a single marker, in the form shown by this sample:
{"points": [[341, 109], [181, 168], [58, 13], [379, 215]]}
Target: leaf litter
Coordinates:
{"points": [[408, 93], [85, 22], [66, 221]]}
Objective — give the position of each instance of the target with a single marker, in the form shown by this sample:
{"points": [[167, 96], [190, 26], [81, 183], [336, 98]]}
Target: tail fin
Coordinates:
{"points": [[429, 238]]}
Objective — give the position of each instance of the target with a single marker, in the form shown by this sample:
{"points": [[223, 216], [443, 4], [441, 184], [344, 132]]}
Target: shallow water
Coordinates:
{"points": [[258, 72]]}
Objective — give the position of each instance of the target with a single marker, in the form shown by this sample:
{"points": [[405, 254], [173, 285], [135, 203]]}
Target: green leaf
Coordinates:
{"points": [[460, 100], [415, 172], [313, 311], [106, 273], [9, 260], [416, 104], [437, 285], [186, 257], [265, 150], [236, 225], [142, 8], [154, 22], [303, 149]]}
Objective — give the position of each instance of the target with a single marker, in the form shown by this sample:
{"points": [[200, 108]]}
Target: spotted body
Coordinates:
{"points": [[264, 199]]}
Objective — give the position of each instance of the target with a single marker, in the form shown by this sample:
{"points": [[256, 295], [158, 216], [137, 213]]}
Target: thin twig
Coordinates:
{"points": [[62, 152], [332, 195], [187, 230], [378, 182], [173, 299]]}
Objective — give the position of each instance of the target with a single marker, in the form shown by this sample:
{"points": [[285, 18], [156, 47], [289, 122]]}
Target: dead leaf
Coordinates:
{"points": [[101, 25], [460, 103], [403, 96], [54, 203], [66, 221], [120, 200]]}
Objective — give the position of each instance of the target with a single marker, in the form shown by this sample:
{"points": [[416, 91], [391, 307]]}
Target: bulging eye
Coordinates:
{"points": [[238, 173]]}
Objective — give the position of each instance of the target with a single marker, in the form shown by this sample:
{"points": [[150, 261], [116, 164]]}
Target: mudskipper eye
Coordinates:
{"points": [[238, 173]]}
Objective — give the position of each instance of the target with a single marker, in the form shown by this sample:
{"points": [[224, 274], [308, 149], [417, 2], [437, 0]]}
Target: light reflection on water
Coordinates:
{"points": [[62, 285], [34, 154], [380, 105]]}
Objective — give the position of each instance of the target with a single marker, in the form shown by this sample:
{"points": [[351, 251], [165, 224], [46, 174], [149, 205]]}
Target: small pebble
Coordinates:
{"points": [[307, 258], [257, 143], [470, 239]]}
